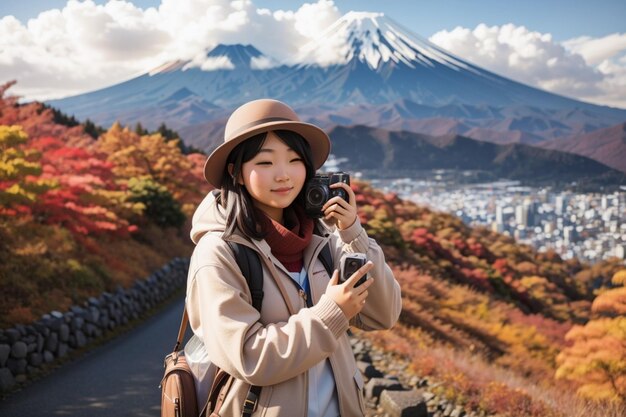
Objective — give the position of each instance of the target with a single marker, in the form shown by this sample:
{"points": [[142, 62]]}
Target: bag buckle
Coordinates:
{"points": [[250, 404]]}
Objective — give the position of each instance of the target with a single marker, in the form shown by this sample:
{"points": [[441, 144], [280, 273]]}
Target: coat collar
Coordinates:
{"points": [[311, 252], [263, 248]]}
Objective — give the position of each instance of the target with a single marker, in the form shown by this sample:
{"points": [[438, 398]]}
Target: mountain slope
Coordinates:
{"points": [[605, 145], [148, 98], [384, 150]]}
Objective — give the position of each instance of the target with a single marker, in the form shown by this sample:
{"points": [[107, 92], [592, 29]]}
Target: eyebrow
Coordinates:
{"points": [[270, 150]]}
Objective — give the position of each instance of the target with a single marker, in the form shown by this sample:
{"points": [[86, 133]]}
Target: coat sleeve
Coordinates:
{"points": [[384, 303], [220, 313]]}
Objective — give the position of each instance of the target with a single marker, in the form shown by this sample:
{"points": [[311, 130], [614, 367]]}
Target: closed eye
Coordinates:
{"points": [[296, 160], [264, 163]]}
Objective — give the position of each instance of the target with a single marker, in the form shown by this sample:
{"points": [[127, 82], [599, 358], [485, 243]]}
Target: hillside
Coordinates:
{"points": [[607, 145], [406, 151]]}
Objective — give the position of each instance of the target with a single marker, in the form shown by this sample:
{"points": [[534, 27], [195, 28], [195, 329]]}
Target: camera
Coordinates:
{"points": [[317, 191], [350, 263]]}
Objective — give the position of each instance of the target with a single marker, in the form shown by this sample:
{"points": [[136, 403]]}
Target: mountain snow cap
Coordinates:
{"points": [[374, 39], [222, 57]]}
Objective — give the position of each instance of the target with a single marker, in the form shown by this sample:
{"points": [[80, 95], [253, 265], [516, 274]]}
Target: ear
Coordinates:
{"points": [[231, 169]]}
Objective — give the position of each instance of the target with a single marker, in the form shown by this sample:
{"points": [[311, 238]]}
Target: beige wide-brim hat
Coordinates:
{"points": [[260, 116]]}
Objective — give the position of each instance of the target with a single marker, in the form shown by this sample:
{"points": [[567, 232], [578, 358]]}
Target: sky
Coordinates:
{"points": [[56, 48]]}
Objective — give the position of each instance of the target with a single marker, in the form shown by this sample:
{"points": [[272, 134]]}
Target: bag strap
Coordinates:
{"points": [[181, 330], [250, 266], [327, 259], [219, 388], [252, 399]]}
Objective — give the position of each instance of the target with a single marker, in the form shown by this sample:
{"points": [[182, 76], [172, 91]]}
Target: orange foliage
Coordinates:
{"points": [[597, 357]]}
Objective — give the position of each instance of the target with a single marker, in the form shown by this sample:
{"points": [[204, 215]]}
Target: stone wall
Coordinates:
{"points": [[25, 348]]}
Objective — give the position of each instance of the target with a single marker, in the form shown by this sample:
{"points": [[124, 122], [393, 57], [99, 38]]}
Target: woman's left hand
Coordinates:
{"points": [[338, 211]]}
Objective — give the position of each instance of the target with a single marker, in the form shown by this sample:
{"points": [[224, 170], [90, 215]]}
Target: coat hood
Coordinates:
{"points": [[208, 217]]}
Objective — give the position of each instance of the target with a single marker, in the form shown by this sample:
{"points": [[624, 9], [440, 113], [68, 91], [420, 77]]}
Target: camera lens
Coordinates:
{"points": [[316, 196], [353, 264]]}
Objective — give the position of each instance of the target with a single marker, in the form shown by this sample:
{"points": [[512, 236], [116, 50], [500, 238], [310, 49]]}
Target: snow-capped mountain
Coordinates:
{"points": [[365, 68], [376, 40], [368, 58]]}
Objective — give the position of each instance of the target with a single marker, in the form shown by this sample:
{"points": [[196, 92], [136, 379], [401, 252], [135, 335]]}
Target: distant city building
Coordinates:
{"points": [[521, 215], [499, 215], [590, 227], [559, 205]]}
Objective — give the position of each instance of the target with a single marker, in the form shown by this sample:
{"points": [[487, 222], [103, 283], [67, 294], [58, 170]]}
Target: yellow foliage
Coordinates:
{"points": [[15, 162], [619, 278], [153, 156], [18, 166], [597, 359], [11, 136]]}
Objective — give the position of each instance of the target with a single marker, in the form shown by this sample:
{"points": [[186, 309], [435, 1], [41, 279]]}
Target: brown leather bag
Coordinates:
{"points": [[178, 390]]}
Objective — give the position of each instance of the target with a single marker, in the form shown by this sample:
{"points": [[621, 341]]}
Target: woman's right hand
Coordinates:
{"points": [[349, 298]]}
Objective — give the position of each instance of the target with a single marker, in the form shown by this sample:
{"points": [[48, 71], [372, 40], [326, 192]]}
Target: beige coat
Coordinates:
{"points": [[274, 349]]}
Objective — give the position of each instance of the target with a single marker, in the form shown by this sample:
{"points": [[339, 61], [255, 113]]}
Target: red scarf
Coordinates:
{"points": [[288, 242]]}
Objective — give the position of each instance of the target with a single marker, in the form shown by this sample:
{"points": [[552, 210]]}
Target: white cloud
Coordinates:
{"points": [[597, 50], [585, 68], [262, 62], [218, 62], [85, 46], [311, 19]]}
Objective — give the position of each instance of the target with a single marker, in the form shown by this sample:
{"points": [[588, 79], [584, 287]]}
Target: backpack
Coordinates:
{"points": [[178, 391]]}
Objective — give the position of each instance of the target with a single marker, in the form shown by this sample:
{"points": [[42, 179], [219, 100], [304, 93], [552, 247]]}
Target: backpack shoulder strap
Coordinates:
{"points": [[327, 259], [325, 255], [250, 266]]}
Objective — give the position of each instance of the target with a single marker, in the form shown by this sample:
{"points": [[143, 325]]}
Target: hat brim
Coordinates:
{"points": [[318, 141]]}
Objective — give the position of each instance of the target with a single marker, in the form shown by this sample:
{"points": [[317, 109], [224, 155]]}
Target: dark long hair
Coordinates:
{"points": [[234, 197]]}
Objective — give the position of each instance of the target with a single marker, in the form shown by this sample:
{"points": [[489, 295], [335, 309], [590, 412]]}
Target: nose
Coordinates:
{"points": [[282, 173]]}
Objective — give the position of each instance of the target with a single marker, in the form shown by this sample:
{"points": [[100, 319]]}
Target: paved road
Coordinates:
{"points": [[117, 379]]}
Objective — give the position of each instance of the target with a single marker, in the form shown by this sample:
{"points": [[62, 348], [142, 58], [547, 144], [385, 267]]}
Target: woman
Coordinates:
{"points": [[297, 348]]}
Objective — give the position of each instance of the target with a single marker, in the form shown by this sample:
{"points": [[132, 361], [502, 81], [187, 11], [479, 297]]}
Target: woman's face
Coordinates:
{"points": [[274, 177]]}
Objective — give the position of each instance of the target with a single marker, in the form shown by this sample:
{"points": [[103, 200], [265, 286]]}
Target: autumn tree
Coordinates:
{"points": [[19, 169], [597, 356], [86, 198], [153, 156]]}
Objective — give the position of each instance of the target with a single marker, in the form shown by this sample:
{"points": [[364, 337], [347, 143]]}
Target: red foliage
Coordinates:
{"points": [[478, 278], [75, 203], [555, 331]]}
